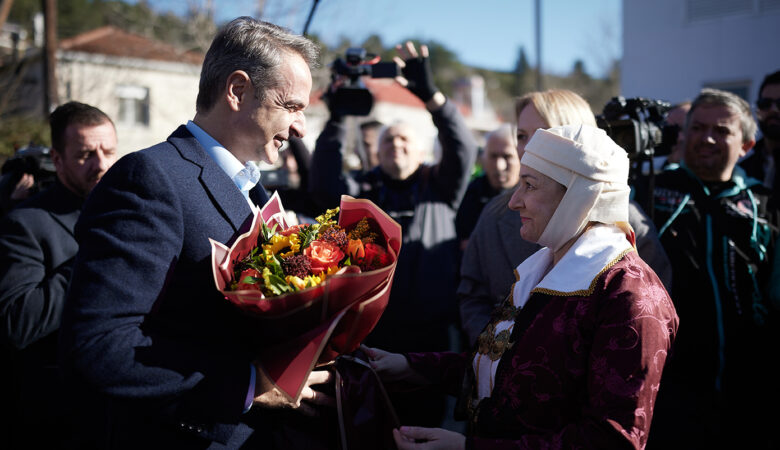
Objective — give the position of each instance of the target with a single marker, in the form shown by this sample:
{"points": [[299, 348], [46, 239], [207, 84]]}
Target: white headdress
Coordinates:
{"points": [[594, 171]]}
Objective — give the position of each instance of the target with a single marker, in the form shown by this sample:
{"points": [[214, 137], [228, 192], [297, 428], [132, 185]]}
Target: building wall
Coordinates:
{"points": [[95, 79], [673, 48]]}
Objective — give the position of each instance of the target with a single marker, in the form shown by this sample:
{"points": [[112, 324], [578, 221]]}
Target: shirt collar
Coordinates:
{"points": [[245, 176]]}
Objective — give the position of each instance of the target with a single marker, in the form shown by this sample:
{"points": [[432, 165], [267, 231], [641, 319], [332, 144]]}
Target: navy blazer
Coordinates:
{"points": [[145, 329]]}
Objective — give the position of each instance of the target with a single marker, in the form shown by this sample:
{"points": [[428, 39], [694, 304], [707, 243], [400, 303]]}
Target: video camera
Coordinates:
{"points": [[638, 125], [350, 97]]}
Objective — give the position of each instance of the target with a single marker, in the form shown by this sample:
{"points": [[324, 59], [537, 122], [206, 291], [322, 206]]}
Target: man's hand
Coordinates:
{"points": [[23, 188], [418, 77], [418, 438], [268, 396]]}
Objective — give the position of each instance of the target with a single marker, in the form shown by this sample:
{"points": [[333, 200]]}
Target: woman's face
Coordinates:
{"points": [[535, 199], [528, 122]]}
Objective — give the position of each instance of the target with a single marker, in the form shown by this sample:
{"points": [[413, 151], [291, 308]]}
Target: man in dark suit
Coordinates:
{"points": [[37, 248], [147, 338]]}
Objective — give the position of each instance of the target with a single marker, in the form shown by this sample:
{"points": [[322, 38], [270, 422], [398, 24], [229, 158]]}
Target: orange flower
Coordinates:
{"points": [[323, 255], [355, 249]]}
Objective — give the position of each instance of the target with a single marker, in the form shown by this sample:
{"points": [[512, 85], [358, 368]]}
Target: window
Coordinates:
{"points": [[133, 105]]}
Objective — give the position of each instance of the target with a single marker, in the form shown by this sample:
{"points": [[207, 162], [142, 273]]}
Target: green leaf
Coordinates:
{"points": [[277, 285]]}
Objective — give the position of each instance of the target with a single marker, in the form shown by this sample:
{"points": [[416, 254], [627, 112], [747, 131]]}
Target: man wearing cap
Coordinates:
{"points": [[37, 248], [711, 220], [574, 356]]}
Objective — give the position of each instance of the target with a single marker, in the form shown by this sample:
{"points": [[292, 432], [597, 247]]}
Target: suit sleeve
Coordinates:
{"points": [[130, 237], [451, 175], [31, 294]]}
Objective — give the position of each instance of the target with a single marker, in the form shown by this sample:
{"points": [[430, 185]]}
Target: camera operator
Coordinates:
{"points": [[423, 199], [711, 220], [37, 251]]}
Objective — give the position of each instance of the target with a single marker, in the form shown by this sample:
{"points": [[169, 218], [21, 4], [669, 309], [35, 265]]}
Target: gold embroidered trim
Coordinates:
{"points": [[584, 292]]}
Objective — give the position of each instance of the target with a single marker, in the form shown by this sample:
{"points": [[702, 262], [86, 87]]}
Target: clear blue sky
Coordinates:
{"points": [[483, 33]]}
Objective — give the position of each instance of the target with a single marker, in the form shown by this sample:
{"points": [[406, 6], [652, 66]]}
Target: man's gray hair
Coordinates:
{"points": [[257, 48], [735, 103]]}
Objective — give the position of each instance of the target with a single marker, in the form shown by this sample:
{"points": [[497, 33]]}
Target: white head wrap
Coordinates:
{"points": [[594, 171]]}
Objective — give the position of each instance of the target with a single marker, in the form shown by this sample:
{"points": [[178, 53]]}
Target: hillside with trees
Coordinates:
{"points": [[194, 29]]}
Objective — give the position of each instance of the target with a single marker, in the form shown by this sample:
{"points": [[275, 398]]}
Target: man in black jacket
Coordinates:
{"points": [[37, 248], [712, 222], [424, 200]]}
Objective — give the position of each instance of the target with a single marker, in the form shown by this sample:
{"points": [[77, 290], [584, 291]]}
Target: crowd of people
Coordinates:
{"points": [[542, 297]]}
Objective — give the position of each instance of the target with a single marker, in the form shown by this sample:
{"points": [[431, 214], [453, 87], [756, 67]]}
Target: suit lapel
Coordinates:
{"points": [[224, 194]]}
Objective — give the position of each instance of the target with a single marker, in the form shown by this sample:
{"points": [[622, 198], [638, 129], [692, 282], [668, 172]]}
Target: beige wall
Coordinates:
{"points": [[94, 79]]}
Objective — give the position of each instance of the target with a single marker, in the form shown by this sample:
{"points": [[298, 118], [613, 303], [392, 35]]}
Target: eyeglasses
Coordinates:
{"points": [[765, 103]]}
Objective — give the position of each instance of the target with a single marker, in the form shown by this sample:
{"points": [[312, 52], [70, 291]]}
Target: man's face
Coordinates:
{"points": [[369, 136], [713, 142], [399, 154], [280, 114], [90, 150], [769, 118], [500, 162]]}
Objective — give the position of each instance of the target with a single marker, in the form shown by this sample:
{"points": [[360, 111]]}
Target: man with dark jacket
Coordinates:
{"points": [[37, 248], [424, 200], [146, 335], [763, 163], [711, 220]]}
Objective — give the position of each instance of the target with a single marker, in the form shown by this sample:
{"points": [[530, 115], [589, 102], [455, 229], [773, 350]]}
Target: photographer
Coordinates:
{"points": [[25, 174], [423, 199], [37, 251]]}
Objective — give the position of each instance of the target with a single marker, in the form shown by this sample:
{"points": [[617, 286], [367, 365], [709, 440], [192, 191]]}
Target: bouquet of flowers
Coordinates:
{"points": [[315, 291]]}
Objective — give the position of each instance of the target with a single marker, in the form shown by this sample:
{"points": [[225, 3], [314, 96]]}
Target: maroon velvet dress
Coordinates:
{"points": [[582, 369]]}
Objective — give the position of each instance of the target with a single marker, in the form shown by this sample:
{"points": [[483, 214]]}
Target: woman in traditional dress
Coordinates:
{"points": [[574, 356]]}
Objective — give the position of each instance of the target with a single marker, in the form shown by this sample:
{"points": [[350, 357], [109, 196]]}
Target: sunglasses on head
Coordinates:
{"points": [[765, 103]]}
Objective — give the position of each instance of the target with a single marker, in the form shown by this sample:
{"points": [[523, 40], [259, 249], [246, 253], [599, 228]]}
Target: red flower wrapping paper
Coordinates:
{"points": [[317, 324]]}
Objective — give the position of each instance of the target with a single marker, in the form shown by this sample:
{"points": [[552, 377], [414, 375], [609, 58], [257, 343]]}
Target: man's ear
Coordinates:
{"points": [[746, 146], [237, 87], [56, 159]]}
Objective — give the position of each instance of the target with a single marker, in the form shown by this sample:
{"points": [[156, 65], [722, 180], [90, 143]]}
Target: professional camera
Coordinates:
{"points": [[348, 95], [34, 160], [638, 125]]}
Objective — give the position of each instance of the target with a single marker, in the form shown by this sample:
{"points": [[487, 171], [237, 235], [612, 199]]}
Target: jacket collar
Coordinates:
{"points": [[227, 198], [65, 206]]}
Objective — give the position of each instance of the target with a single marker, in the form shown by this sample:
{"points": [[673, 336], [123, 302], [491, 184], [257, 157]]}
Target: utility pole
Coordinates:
{"points": [[5, 9], [50, 97], [538, 14]]}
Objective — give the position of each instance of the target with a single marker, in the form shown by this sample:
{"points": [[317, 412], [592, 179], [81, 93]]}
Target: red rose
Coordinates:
{"points": [[242, 286], [376, 256], [323, 255]]}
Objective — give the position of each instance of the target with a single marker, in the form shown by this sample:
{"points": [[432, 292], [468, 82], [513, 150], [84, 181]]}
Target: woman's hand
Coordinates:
{"points": [[418, 438], [389, 366]]}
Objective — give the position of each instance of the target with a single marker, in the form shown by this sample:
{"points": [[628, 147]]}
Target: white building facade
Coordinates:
{"points": [[674, 48]]}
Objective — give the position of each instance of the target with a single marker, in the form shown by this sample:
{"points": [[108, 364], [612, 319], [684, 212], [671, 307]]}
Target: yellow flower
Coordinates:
{"points": [[295, 245], [276, 243], [307, 281]]}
